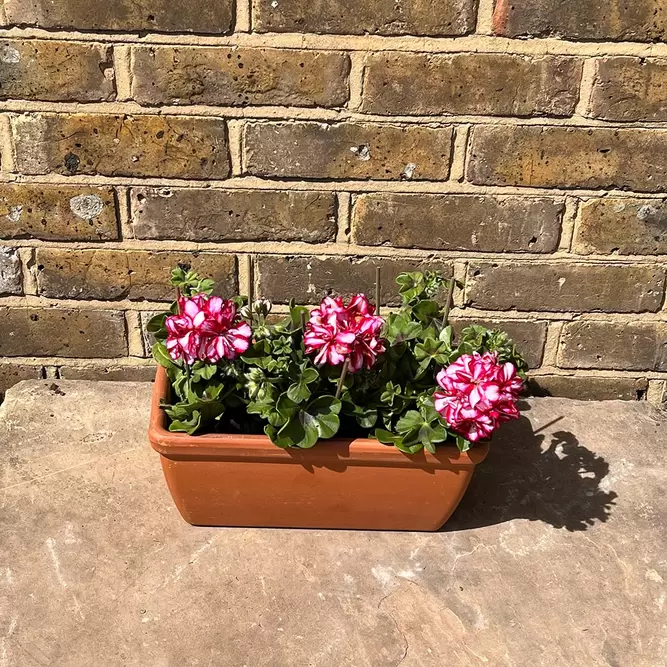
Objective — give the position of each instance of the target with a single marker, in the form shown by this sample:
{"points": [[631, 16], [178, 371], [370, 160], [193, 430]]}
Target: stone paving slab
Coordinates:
{"points": [[557, 556]]}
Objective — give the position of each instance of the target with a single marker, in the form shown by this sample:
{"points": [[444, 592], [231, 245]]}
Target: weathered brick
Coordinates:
{"points": [[239, 76], [129, 274], [347, 150], [10, 271], [57, 213], [55, 71], [309, 279], [529, 337], [635, 346], [148, 338], [570, 157], [470, 83], [189, 214], [45, 332], [585, 388], [458, 222], [629, 89], [10, 374], [161, 146], [561, 287], [380, 17], [622, 225], [108, 373], [639, 20], [127, 15]]}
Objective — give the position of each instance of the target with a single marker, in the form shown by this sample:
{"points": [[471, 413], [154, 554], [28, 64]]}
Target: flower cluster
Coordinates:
{"points": [[338, 332], [206, 329], [478, 394]]}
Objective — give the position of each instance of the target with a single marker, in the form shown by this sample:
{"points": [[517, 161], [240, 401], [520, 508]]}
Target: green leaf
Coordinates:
{"points": [[305, 427], [386, 437], [410, 421], [161, 355], [258, 354], [432, 434], [416, 428], [366, 417], [298, 432], [400, 328], [411, 286], [426, 311], [462, 444], [177, 276], [272, 433], [434, 282], [156, 326], [286, 407], [295, 315], [298, 392], [447, 335], [411, 448], [325, 411], [429, 446], [261, 409], [206, 286], [428, 411], [180, 384], [432, 349], [201, 371], [276, 419], [309, 375], [391, 391], [188, 426]]}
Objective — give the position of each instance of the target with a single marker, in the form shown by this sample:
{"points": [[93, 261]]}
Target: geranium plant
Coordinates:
{"points": [[337, 370]]}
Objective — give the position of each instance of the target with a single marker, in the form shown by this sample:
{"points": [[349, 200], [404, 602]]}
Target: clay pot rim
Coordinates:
{"points": [[240, 447]]}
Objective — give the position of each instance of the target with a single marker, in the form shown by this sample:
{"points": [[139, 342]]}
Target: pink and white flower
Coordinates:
{"points": [[206, 329], [337, 332], [478, 394], [224, 336], [183, 330]]}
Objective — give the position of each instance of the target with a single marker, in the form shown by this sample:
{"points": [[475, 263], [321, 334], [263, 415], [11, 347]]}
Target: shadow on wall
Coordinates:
{"points": [[525, 477]]}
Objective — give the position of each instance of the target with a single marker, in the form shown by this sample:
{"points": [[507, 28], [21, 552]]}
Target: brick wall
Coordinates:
{"points": [[521, 147]]}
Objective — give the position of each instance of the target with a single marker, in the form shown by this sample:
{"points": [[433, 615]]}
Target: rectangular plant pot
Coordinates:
{"points": [[245, 480]]}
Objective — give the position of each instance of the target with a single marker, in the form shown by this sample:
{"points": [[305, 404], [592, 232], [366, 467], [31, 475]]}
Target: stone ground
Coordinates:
{"points": [[557, 556]]}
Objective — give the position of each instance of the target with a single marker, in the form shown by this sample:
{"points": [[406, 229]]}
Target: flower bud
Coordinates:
{"points": [[262, 307]]}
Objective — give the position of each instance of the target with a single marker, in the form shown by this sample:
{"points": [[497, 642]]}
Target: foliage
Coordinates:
{"points": [[275, 387]]}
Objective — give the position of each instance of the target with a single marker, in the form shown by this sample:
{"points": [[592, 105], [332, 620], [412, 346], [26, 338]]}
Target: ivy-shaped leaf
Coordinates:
{"points": [[447, 335], [297, 432], [161, 355], [390, 393], [426, 311], [431, 350], [258, 354], [188, 426], [400, 329], [298, 392], [156, 326], [366, 417], [305, 427], [411, 286], [415, 428], [463, 444]]}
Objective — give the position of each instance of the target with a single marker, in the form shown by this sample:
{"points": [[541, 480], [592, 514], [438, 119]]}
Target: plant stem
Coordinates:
{"points": [[341, 379], [378, 271], [303, 321], [448, 302], [251, 280]]}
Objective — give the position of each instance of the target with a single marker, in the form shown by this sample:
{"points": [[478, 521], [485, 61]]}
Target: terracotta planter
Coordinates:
{"points": [[245, 480]]}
